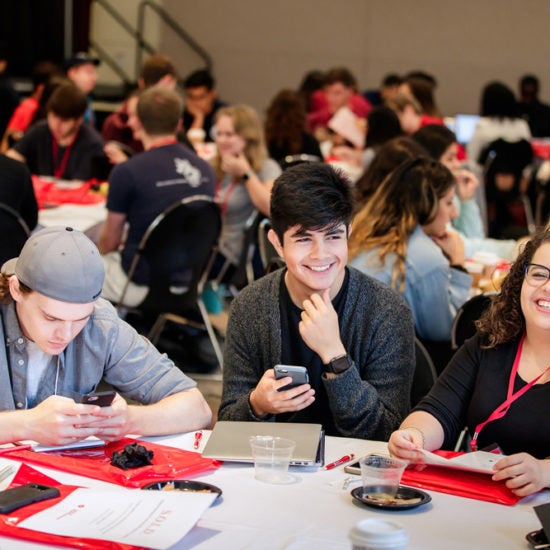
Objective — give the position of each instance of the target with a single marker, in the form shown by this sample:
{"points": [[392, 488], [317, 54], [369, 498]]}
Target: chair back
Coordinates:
{"points": [[270, 259], [14, 233], [425, 374], [293, 160], [464, 322], [177, 247]]}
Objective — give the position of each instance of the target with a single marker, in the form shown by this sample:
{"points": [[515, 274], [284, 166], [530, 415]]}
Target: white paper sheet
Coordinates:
{"points": [[154, 519], [481, 461]]}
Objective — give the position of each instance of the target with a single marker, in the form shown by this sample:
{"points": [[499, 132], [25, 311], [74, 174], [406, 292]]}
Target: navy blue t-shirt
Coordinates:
{"points": [[147, 184]]}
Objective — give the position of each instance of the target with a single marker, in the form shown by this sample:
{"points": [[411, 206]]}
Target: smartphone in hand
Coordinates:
{"points": [[101, 399], [298, 374]]}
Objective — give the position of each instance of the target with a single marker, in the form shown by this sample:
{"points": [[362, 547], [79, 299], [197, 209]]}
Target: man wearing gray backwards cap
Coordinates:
{"points": [[61, 339]]}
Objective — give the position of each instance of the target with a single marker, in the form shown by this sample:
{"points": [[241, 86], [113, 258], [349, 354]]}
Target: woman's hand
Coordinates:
{"points": [[236, 165], [525, 474], [406, 444]]}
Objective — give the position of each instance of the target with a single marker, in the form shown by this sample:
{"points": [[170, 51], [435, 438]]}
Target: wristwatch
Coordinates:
{"points": [[338, 365], [247, 175]]}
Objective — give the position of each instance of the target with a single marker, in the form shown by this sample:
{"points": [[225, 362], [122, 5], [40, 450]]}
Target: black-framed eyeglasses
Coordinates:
{"points": [[536, 275]]}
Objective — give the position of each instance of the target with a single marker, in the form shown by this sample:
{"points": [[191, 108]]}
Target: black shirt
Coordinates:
{"points": [[296, 352], [474, 384]]}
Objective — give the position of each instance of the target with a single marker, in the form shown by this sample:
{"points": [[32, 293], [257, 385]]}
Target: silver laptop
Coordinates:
{"points": [[229, 441]]}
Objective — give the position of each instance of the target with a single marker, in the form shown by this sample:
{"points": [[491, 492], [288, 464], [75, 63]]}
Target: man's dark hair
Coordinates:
{"points": [[342, 75], [159, 110], [67, 101], [312, 196], [198, 79], [155, 68], [392, 79]]}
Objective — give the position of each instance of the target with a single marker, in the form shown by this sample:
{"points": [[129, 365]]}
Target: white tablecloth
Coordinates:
{"points": [[316, 513]]}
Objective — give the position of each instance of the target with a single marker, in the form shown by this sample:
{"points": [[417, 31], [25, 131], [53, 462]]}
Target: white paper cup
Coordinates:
{"points": [[381, 475], [378, 534], [271, 457]]}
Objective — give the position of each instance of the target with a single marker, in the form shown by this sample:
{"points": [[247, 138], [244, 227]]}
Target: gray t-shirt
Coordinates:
{"points": [[237, 208]]}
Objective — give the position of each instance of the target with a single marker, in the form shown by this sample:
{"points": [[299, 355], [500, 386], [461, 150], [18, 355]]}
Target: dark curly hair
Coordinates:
{"points": [[285, 123], [503, 320]]}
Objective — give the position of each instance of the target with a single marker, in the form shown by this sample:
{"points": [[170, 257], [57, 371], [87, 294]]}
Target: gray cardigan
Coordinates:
{"points": [[371, 398]]}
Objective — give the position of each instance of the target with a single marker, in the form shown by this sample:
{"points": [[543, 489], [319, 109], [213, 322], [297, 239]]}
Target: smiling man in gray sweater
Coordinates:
{"points": [[354, 335]]}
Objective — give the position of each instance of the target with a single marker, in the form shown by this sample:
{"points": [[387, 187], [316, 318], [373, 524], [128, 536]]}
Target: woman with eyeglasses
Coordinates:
{"points": [[498, 383], [401, 238]]}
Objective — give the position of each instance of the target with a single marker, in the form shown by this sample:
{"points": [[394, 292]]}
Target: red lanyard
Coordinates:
{"points": [[59, 167], [223, 204], [503, 408]]}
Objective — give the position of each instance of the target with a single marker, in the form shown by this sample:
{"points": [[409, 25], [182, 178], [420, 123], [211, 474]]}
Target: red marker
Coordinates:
{"points": [[197, 442], [340, 461]]}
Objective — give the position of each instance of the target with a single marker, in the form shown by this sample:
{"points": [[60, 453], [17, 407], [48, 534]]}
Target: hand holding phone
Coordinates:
{"points": [[298, 374], [101, 399]]}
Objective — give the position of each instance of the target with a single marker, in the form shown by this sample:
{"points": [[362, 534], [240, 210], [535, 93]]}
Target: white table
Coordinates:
{"points": [[316, 513], [79, 216]]}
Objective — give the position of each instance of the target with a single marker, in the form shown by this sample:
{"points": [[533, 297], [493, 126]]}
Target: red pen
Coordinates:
{"points": [[197, 442], [16, 447], [340, 461]]}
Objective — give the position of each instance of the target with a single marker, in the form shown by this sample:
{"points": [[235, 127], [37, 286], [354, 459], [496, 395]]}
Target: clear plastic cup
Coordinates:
{"points": [[378, 534], [271, 457], [381, 475]]}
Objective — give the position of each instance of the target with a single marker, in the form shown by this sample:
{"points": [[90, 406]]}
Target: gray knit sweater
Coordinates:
{"points": [[371, 398]]}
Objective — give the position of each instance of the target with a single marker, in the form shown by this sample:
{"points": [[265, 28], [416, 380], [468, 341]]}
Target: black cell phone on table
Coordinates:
{"points": [[353, 468], [298, 374], [102, 398], [12, 499]]}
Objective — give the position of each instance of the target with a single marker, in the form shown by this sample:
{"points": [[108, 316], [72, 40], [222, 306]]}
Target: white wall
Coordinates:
{"points": [[259, 46], [116, 41]]}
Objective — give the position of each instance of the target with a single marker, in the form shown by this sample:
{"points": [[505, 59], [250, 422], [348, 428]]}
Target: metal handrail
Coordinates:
{"points": [[105, 56], [169, 20]]}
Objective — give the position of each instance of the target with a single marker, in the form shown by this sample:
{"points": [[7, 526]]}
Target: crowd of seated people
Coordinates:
{"points": [[413, 224]]}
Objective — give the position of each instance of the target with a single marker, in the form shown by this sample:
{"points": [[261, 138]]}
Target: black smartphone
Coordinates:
{"points": [[353, 468], [536, 538], [298, 374], [102, 398], [12, 499]]}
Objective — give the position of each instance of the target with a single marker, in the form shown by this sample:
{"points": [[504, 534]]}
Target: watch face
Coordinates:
{"points": [[340, 365]]}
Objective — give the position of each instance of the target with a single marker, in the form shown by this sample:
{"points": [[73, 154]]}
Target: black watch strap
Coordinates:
{"points": [[339, 365]]}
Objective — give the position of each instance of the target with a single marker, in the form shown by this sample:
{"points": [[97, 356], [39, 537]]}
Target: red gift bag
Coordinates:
{"points": [[459, 482], [94, 462], [9, 522]]}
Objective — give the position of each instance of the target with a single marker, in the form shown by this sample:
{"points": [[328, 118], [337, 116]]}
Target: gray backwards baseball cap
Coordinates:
{"points": [[61, 263]]}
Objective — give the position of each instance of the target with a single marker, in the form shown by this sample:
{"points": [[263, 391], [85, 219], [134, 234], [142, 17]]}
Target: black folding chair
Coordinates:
{"points": [[15, 232], [178, 248], [425, 374], [464, 322], [270, 259]]}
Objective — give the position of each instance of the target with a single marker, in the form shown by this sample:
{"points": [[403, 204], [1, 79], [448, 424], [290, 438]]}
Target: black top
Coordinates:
{"points": [[473, 385], [16, 191], [36, 147], [9, 100], [310, 146], [296, 352]]}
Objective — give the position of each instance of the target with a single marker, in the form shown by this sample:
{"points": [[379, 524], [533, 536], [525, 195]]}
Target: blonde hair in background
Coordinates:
{"points": [[247, 125]]}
